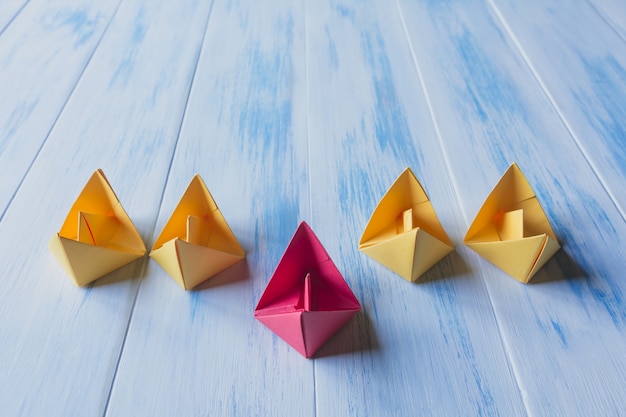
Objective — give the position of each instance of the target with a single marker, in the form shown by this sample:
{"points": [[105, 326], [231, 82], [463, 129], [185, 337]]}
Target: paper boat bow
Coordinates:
{"points": [[306, 300], [404, 233], [97, 236], [196, 243], [511, 230]]}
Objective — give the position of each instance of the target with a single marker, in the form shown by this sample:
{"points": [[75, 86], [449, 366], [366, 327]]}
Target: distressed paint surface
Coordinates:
{"points": [[303, 110], [244, 132], [577, 299], [43, 54], [417, 348], [60, 344], [614, 12], [9, 9], [587, 84]]}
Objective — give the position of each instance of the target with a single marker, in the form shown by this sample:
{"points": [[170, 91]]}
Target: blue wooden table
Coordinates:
{"points": [[308, 110]]}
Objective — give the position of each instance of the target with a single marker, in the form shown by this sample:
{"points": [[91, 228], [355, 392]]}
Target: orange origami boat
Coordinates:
{"points": [[196, 243], [511, 230], [404, 233], [97, 236]]}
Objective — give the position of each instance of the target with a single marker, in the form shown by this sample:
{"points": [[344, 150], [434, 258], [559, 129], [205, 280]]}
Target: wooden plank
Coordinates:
{"points": [[581, 63], [431, 348], [9, 9], [614, 12], [60, 344], [564, 333], [201, 352], [42, 55]]}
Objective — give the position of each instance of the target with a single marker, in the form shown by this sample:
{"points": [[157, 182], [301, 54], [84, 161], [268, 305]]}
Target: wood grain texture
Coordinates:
{"points": [[201, 352], [614, 12], [60, 344], [431, 348], [580, 62], [42, 56], [9, 9], [308, 110], [482, 91]]}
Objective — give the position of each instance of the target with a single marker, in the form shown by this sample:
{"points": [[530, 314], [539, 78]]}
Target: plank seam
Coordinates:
{"points": [[169, 169], [308, 157], [607, 20], [552, 101], [456, 188], [14, 16], [54, 123]]}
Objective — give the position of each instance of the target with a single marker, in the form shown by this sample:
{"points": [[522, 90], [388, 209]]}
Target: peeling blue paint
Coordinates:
{"points": [[333, 58], [124, 70], [391, 127], [487, 91], [559, 332], [346, 12], [605, 107], [16, 119], [452, 323], [263, 132], [194, 304], [79, 22]]}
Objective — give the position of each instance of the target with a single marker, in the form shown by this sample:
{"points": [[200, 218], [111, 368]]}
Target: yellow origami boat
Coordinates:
{"points": [[196, 243], [404, 233], [97, 236], [511, 230]]}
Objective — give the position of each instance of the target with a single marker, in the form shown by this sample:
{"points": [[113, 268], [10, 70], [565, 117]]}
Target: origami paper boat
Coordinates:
{"points": [[196, 243], [97, 236], [511, 230], [404, 233], [306, 300]]}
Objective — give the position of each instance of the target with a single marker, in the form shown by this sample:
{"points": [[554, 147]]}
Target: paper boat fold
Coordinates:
{"points": [[306, 300], [511, 230], [97, 236], [404, 233], [196, 242]]}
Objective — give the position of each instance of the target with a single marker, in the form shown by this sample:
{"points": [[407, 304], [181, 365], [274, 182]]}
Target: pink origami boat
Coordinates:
{"points": [[306, 300]]}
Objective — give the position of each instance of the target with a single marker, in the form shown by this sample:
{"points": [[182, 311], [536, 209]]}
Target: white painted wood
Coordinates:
{"points": [[614, 11], [430, 348], [564, 333], [60, 344], [9, 9], [42, 56], [581, 63], [201, 352], [307, 111]]}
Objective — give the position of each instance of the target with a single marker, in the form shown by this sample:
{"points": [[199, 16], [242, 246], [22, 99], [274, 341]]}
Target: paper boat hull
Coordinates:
{"points": [[520, 258], [404, 233], [409, 254], [189, 264], [85, 263], [511, 229], [306, 331]]}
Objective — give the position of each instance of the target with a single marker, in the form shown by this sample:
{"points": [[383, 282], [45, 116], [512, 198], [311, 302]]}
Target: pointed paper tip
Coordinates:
{"points": [[304, 225], [407, 171], [197, 179], [99, 173]]}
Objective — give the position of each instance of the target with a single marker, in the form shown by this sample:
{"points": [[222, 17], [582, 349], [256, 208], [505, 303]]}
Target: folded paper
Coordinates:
{"points": [[404, 233], [196, 243], [97, 236], [306, 300], [511, 230]]}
